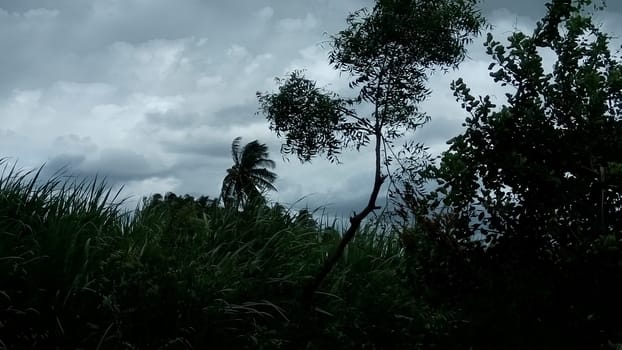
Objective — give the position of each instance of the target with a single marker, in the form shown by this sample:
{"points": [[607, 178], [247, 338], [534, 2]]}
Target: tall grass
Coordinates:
{"points": [[181, 273], [53, 236]]}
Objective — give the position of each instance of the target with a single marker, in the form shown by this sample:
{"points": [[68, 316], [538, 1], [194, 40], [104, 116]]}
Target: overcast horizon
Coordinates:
{"points": [[150, 94]]}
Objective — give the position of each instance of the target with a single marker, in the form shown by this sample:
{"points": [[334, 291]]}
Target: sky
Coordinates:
{"points": [[151, 93]]}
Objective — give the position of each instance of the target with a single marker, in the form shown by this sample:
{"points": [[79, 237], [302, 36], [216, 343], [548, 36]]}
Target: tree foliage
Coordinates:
{"points": [[537, 182], [387, 53], [249, 176]]}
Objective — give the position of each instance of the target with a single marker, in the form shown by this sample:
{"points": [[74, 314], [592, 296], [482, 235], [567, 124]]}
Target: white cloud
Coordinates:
{"points": [[237, 51], [313, 60], [298, 24], [265, 13], [27, 97], [257, 62]]}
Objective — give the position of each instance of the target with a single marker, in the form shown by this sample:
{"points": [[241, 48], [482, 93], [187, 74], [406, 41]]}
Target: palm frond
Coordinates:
{"points": [[235, 150], [249, 176], [263, 174], [265, 163]]}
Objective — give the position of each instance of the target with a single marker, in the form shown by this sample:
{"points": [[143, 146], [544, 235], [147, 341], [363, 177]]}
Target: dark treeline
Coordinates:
{"points": [[517, 246]]}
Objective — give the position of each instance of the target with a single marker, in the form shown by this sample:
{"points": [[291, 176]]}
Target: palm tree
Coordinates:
{"points": [[249, 177]]}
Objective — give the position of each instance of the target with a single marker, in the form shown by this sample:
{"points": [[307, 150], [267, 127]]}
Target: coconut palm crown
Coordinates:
{"points": [[249, 178]]}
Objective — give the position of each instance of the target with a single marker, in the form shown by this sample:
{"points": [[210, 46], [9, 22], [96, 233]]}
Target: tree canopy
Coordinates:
{"points": [[249, 177], [529, 210], [386, 52]]}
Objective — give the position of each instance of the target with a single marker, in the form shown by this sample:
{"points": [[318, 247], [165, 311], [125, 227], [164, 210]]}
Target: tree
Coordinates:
{"points": [[539, 181], [387, 52], [249, 178]]}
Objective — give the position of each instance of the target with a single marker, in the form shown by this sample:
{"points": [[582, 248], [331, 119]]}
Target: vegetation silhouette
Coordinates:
{"points": [[518, 247], [387, 53], [538, 182], [249, 178]]}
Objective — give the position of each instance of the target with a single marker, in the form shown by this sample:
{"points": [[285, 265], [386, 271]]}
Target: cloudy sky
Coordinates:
{"points": [[150, 93]]}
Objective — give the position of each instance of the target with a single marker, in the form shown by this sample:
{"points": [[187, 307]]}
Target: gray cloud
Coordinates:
{"points": [[239, 114], [151, 93], [173, 120], [117, 165], [535, 8]]}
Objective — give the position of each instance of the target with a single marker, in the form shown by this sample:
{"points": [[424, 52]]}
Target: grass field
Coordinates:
{"points": [[76, 271]]}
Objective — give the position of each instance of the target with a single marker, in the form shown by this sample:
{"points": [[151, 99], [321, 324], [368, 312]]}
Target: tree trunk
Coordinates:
{"points": [[355, 222]]}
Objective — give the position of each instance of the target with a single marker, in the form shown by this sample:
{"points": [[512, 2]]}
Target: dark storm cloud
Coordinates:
{"points": [[116, 165], [150, 93], [62, 34], [64, 163], [225, 117], [240, 114], [209, 149], [336, 206], [215, 140], [172, 119], [75, 144]]}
